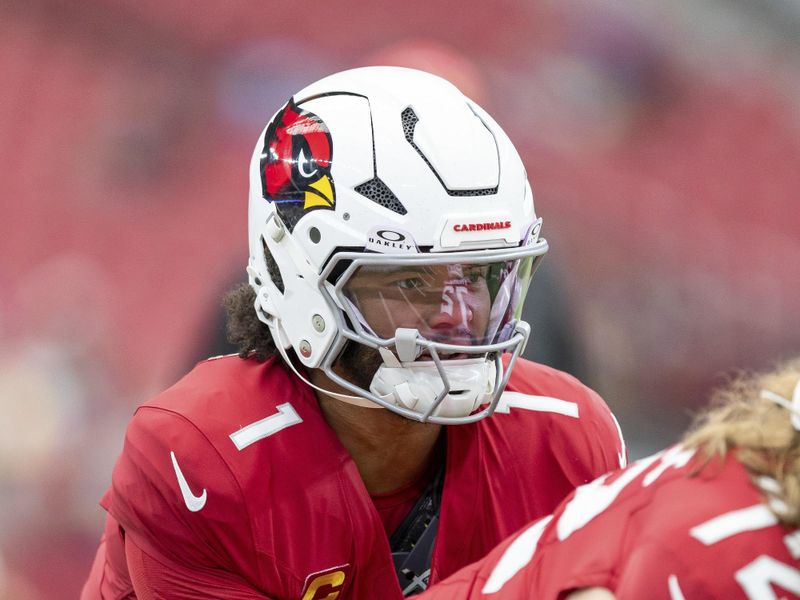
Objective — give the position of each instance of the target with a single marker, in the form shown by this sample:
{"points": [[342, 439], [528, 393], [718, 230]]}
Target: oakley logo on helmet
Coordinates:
{"points": [[296, 163], [387, 235], [391, 241], [482, 226]]}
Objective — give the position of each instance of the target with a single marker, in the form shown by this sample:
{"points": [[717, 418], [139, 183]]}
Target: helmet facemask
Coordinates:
{"points": [[438, 325]]}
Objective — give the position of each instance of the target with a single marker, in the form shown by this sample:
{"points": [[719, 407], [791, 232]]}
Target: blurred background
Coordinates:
{"points": [[662, 140]]}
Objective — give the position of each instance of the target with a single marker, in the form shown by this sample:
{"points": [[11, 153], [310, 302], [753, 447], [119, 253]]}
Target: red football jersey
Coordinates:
{"points": [[232, 479], [656, 530]]}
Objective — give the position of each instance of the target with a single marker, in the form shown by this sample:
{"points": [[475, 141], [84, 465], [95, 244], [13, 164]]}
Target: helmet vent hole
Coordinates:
{"points": [[379, 193], [314, 235]]}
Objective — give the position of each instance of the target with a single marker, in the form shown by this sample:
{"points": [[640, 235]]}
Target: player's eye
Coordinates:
{"points": [[410, 283]]}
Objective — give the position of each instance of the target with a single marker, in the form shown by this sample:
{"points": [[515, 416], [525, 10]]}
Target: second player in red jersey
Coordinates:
{"points": [[715, 517]]}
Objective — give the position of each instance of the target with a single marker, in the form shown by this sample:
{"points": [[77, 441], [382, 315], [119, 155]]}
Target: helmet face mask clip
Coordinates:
{"points": [[414, 239]]}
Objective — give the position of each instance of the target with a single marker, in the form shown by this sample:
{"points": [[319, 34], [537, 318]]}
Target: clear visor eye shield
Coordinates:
{"points": [[440, 323]]}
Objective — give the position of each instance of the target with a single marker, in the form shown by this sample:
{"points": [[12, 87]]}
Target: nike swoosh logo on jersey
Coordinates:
{"points": [[193, 503]]}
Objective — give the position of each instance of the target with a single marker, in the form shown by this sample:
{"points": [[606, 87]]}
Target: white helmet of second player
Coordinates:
{"points": [[401, 221]]}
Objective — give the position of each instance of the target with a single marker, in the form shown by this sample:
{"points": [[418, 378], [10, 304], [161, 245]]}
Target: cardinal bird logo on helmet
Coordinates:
{"points": [[296, 161]]}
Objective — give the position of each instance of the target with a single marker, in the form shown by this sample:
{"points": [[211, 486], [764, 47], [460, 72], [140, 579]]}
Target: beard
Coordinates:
{"points": [[358, 364]]}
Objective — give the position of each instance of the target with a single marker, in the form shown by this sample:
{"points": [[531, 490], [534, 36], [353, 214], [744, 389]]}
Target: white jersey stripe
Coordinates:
{"points": [[516, 556], [737, 521], [675, 592], [792, 541], [623, 453], [511, 400]]}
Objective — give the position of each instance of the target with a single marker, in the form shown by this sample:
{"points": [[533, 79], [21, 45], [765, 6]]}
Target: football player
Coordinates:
{"points": [[714, 517], [392, 239]]}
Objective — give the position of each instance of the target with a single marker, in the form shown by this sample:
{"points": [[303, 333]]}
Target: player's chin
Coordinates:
{"points": [[358, 364]]}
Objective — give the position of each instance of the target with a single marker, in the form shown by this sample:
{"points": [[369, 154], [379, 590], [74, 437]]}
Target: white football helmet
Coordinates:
{"points": [[401, 220]]}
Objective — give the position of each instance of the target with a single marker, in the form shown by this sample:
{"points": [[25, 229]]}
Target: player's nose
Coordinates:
{"points": [[452, 313]]}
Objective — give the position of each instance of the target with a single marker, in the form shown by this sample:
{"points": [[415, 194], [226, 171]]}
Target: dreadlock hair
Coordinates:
{"points": [[243, 327], [761, 433]]}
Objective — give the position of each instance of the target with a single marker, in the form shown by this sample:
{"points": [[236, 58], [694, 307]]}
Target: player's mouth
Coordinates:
{"points": [[444, 356]]}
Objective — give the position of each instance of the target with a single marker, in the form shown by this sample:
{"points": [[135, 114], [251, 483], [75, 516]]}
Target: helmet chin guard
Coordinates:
{"points": [[419, 386], [439, 391], [428, 388]]}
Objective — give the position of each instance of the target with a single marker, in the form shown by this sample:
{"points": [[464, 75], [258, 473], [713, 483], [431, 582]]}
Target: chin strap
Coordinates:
{"points": [[355, 400], [793, 405]]}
